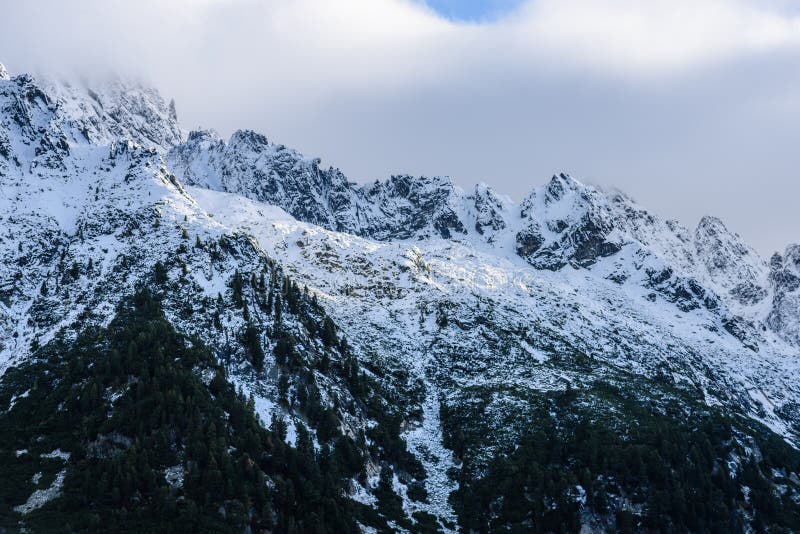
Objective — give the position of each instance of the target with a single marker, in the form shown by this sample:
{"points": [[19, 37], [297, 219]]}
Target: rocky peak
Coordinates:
{"points": [[51, 117], [405, 206], [489, 210], [4, 73], [249, 165], [711, 225], [785, 269], [560, 185], [792, 258], [730, 263], [122, 109], [248, 140], [571, 223], [785, 278], [554, 191]]}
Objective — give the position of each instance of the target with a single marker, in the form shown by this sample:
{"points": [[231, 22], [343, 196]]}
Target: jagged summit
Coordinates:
{"points": [[784, 276], [560, 185], [60, 115], [4, 75], [249, 165], [730, 262], [249, 139]]}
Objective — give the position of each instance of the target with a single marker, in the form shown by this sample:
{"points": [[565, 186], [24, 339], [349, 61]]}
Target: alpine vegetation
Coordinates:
{"points": [[210, 335]]}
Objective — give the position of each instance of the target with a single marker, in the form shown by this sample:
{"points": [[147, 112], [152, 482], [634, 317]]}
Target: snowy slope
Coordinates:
{"points": [[390, 293]]}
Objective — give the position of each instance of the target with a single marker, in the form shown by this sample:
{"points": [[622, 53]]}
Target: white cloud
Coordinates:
{"points": [[389, 42], [671, 100], [653, 36]]}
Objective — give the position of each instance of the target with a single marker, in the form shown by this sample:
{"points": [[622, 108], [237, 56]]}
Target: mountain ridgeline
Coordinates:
{"points": [[226, 336]]}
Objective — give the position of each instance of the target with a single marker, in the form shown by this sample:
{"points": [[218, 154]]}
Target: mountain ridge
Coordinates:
{"points": [[603, 222], [451, 302]]}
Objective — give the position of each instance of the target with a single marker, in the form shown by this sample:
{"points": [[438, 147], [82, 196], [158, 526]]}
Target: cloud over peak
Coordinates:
{"points": [[644, 95]]}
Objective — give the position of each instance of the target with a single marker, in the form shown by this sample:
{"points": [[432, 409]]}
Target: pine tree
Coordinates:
{"points": [[388, 502], [160, 273], [328, 427], [283, 389], [324, 364], [236, 285], [283, 349], [278, 309], [253, 345], [328, 332]]}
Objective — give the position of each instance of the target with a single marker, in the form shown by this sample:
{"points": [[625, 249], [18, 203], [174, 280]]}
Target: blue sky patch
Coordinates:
{"points": [[472, 10]]}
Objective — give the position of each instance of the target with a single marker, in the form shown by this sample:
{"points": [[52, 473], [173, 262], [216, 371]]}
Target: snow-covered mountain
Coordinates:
{"points": [[466, 310], [563, 223], [249, 165]]}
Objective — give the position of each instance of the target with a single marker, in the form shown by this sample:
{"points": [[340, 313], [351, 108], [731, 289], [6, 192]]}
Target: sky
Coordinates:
{"points": [[692, 107], [473, 10]]}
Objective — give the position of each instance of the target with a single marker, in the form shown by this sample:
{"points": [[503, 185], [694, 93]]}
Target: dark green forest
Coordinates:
{"points": [[635, 466], [129, 403], [236, 473]]}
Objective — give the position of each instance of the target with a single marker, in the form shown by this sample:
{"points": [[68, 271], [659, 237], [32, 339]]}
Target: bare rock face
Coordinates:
{"points": [[404, 207], [529, 241]]}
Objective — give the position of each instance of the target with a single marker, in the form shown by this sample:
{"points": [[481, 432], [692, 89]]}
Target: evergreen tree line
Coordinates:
{"points": [[235, 472], [635, 469], [269, 292]]}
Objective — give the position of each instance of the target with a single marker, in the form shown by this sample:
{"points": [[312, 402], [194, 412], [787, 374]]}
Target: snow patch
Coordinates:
{"points": [[41, 497]]}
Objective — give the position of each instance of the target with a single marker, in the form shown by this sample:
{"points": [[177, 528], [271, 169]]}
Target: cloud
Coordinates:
{"points": [[656, 36], [363, 40], [690, 105]]}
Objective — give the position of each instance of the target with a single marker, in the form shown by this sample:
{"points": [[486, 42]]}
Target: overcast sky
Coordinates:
{"points": [[690, 106]]}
